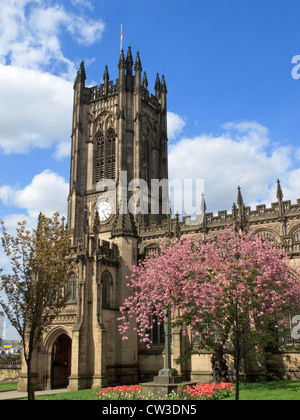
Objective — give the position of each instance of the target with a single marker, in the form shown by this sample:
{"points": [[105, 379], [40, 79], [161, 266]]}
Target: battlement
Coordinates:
{"points": [[280, 211], [99, 92], [127, 81]]}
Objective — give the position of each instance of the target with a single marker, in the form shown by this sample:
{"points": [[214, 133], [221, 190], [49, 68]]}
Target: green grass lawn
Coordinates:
{"points": [[87, 394], [270, 391], [8, 387]]}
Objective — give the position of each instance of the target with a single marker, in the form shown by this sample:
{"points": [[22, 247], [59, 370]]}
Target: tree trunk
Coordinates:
{"points": [[237, 380], [219, 365], [237, 360], [30, 391]]}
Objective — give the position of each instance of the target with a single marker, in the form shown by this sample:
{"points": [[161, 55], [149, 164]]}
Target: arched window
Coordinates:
{"points": [[105, 162], [100, 157], [148, 162], [266, 236], [296, 235], [111, 154], [106, 281], [72, 287]]}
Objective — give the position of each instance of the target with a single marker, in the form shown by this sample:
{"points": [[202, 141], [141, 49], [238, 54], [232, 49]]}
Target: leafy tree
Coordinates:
{"points": [[34, 287], [231, 290]]}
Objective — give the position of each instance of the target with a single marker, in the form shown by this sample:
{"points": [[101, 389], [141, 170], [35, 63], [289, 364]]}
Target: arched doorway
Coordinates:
{"points": [[61, 362]]}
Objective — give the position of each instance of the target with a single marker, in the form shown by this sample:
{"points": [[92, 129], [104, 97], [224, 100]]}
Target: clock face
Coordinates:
{"points": [[104, 209]]}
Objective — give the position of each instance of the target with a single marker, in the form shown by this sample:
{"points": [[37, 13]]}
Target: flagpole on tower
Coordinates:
{"points": [[121, 36]]}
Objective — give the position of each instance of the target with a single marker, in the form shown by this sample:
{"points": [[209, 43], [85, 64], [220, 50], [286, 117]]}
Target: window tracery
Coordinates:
{"points": [[106, 281], [106, 155]]}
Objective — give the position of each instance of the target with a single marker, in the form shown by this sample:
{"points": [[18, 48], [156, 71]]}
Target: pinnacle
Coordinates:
{"points": [[129, 59], [279, 194], [138, 64], [81, 75], [122, 60], [145, 81], [106, 74], [240, 201], [163, 84], [157, 83]]}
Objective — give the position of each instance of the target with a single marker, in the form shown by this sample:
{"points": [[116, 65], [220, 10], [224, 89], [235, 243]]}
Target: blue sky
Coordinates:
{"points": [[233, 103]]}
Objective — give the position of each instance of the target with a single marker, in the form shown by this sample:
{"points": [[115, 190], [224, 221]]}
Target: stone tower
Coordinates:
{"points": [[117, 127], [119, 135]]}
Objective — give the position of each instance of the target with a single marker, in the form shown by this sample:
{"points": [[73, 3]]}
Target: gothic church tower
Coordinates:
{"points": [[117, 128]]}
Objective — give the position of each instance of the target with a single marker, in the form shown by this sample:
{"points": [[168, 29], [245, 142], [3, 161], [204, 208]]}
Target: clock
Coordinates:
{"points": [[104, 208]]}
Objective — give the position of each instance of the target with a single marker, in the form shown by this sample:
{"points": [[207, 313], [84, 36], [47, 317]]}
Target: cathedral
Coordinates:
{"points": [[119, 134]]}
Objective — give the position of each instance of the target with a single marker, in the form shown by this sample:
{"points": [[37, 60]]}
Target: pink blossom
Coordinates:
{"points": [[228, 279]]}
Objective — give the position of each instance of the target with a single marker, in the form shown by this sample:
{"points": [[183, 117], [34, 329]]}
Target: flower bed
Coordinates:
{"points": [[123, 392], [196, 392], [210, 391]]}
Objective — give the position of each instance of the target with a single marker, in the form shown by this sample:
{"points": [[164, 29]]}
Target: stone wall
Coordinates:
{"points": [[10, 368]]}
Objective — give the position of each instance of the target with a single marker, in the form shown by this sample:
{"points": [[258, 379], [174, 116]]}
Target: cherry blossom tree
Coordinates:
{"points": [[231, 289]]}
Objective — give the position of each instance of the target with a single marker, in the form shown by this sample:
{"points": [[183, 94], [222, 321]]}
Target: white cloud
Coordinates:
{"points": [[30, 34], [250, 132], [35, 109], [47, 193], [175, 125], [243, 155], [63, 150], [83, 3]]}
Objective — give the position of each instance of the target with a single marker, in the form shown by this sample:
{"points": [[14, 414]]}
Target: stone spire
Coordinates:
{"points": [[279, 193], [241, 210], [122, 63], [157, 86], [138, 64], [240, 201], [129, 65], [163, 85], [81, 74], [129, 61], [138, 72], [106, 75], [106, 80], [145, 81]]}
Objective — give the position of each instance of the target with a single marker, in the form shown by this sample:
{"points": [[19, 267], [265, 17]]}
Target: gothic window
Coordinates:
{"points": [[72, 287], [266, 235], [157, 331], [287, 246], [111, 154], [148, 164], [289, 333], [106, 155], [152, 249], [296, 236], [100, 156], [107, 283], [204, 333]]}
